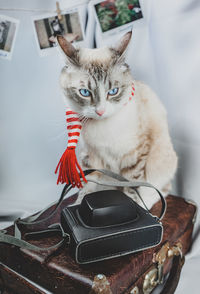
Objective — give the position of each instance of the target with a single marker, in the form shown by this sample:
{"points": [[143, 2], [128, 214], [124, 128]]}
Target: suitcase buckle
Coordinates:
{"points": [[150, 281], [160, 259], [166, 252], [155, 276]]}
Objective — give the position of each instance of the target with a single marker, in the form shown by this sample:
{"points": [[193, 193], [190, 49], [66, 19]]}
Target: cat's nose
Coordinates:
{"points": [[100, 112]]}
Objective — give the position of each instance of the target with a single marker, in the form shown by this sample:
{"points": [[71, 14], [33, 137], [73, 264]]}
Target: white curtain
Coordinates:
{"points": [[32, 115]]}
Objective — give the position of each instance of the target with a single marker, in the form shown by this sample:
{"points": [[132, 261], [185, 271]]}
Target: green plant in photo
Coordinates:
{"points": [[105, 17], [124, 14], [115, 13]]}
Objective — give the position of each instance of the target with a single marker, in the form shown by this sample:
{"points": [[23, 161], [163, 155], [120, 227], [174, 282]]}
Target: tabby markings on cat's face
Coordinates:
{"points": [[95, 91], [96, 82]]}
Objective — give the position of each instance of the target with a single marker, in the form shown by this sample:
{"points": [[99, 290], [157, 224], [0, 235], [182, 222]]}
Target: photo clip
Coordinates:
{"points": [[58, 10]]}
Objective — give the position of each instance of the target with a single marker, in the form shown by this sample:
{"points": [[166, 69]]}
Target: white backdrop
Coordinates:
{"points": [[164, 52]]}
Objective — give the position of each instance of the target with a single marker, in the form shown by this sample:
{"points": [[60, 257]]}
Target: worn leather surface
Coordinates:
{"points": [[12, 283], [58, 272], [184, 239], [90, 244]]}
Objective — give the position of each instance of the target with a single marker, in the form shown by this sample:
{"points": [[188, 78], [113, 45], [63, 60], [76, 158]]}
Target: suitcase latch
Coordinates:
{"points": [[160, 259], [155, 275], [150, 281]]}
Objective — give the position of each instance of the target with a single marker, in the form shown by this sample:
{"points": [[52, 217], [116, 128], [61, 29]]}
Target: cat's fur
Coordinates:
{"points": [[131, 137]]}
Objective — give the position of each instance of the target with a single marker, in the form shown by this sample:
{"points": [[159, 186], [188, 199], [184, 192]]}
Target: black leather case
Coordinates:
{"points": [[91, 243]]}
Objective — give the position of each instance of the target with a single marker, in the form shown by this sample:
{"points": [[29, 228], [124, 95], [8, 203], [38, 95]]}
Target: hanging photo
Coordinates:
{"points": [[8, 31], [115, 14], [47, 28]]}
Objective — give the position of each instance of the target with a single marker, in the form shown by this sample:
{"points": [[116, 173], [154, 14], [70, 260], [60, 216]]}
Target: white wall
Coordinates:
{"points": [[32, 114]]}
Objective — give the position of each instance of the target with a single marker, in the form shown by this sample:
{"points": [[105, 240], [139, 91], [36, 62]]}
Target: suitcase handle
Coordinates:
{"points": [[174, 275]]}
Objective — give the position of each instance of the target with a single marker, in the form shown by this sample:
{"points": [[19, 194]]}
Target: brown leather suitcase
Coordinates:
{"points": [[138, 273]]}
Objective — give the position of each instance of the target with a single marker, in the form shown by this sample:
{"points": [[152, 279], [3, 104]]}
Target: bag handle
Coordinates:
{"points": [[123, 182], [33, 220]]}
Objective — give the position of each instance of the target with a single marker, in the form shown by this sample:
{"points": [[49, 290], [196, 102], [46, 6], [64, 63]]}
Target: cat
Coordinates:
{"points": [[125, 126]]}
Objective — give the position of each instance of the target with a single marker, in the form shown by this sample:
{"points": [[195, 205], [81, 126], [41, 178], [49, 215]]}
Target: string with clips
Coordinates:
{"points": [[58, 10]]}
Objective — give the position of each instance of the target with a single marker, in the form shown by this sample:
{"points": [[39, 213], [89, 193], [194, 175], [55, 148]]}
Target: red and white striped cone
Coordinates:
{"points": [[68, 168]]}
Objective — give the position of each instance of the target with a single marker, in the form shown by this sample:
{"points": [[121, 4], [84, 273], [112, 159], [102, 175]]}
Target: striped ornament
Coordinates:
{"points": [[68, 168]]}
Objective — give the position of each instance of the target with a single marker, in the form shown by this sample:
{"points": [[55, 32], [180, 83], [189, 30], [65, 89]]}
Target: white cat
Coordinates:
{"points": [[125, 128]]}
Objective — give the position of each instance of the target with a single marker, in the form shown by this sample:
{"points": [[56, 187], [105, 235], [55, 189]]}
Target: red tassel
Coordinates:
{"points": [[69, 169]]}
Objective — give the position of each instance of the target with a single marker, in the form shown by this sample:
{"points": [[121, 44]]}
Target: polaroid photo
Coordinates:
{"points": [[8, 32], [46, 29], [115, 15]]}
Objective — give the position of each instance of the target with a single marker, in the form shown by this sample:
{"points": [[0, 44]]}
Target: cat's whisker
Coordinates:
{"points": [[81, 118], [80, 115], [85, 120]]}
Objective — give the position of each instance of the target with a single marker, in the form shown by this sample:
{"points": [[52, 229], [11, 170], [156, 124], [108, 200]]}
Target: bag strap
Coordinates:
{"points": [[5, 238], [123, 182], [33, 220]]}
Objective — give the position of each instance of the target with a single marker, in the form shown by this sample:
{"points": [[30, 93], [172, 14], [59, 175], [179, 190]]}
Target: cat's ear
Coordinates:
{"points": [[68, 49], [122, 45]]}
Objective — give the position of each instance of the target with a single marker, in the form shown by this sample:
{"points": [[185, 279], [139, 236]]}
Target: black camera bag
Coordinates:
{"points": [[107, 224], [125, 227]]}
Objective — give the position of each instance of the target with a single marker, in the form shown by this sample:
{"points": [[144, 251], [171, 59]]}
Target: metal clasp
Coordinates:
{"points": [[160, 259], [175, 250], [155, 276], [150, 281]]}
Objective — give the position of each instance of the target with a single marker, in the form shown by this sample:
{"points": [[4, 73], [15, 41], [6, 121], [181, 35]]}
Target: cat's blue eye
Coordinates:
{"points": [[114, 91], [85, 92]]}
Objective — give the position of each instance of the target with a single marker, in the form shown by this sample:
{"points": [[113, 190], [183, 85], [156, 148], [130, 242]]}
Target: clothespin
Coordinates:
{"points": [[58, 10]]}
